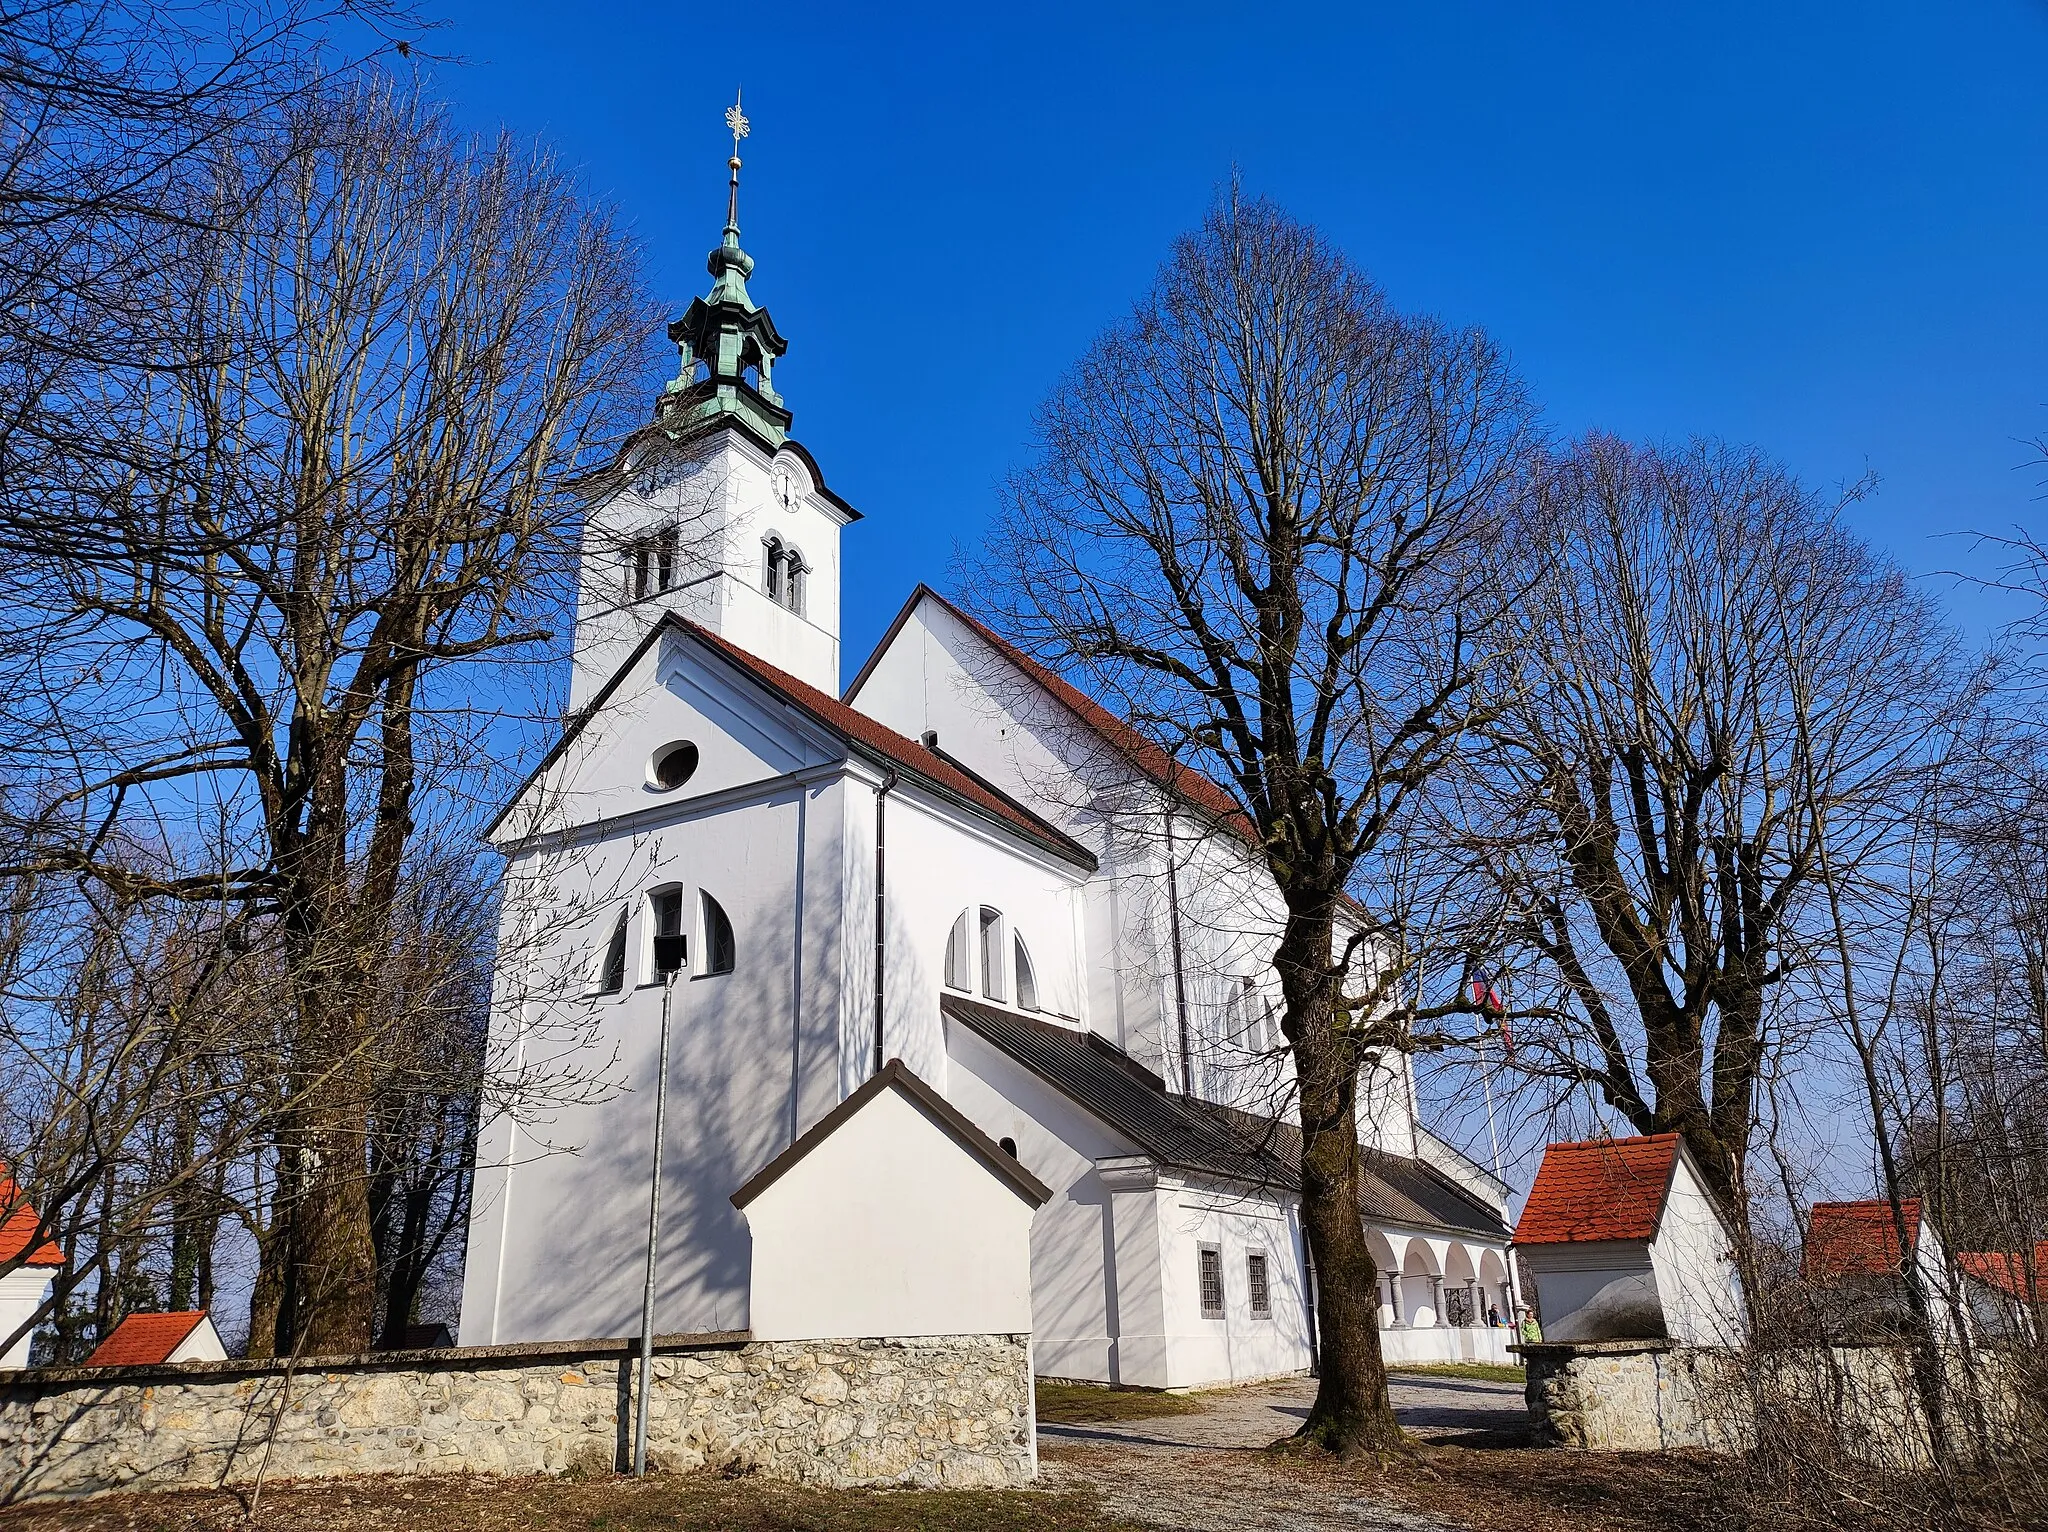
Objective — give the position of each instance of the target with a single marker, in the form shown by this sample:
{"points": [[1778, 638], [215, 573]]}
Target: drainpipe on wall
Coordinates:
{"points": [[881, 908], [1180, 980]]}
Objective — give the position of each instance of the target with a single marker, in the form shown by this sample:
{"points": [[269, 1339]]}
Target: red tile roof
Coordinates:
{"points": [[1598, 1189], [1852, 1238], [1194, 788], [2007, 1271], [855, 727], [143, 1340], [906, 753], [18, 1229], [1190, 785]]}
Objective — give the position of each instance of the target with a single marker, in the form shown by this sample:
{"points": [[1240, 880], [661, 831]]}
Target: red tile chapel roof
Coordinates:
{"points": [[1599, 1189], [1858, 1238], [143, 1340], [18, 1229], [2007, 1271]]}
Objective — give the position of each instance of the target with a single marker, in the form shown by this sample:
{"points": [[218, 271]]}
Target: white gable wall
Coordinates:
{"points": [[889, 1227], [202, 1345], [22, 1292], [1695, 1264], [558, 1224]]}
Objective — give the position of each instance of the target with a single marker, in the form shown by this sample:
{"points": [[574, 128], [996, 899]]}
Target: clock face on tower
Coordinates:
{"points": [[665, 471], [786, 491]]}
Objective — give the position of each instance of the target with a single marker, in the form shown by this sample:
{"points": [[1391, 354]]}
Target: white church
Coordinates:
{"points": [[959, 861]]}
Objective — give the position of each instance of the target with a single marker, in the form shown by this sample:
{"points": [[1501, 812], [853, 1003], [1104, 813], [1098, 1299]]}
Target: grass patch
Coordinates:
{"points": [[1490, 1372], [661, 1503], [1072, 1403]]}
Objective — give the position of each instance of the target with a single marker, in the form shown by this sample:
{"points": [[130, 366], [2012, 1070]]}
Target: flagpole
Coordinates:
{"points": [[1486, 1083], [640, 1399]]}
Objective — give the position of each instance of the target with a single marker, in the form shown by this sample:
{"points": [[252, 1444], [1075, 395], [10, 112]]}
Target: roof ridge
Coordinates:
{"points": [[853, 727], [900, 748], [1135, 748], [898, 1075]]}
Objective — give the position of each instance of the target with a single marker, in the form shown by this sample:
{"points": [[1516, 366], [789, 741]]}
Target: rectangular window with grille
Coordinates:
{"points": [[1255, 1285], [1212, 1282]]}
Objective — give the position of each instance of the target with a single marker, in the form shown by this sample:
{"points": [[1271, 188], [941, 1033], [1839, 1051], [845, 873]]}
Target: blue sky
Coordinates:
{"points": [[1817, 228]]}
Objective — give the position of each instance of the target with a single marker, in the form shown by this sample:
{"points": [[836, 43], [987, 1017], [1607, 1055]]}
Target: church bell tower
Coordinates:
{"points": [[713, 510]]}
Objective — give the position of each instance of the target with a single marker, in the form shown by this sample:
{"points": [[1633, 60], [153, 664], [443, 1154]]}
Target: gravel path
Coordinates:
{"points": [[1206, 1472]]}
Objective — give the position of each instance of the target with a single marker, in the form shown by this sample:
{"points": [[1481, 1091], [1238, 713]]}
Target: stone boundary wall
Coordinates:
{"points": [[1654, 1396], [927, 1411]]}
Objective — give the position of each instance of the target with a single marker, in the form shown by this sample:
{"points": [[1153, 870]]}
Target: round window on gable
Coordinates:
{"points": [[673, 765]]}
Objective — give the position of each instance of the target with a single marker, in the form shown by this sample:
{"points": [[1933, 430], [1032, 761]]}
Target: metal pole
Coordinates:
{"points": [[668, 985]]}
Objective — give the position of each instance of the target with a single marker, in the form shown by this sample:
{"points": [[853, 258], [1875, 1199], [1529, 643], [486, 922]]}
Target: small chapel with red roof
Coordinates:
{"points": [[1625, 1241]]}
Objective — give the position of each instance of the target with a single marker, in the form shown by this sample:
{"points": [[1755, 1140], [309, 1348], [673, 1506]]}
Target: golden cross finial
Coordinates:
{"points": [[736, 120]]}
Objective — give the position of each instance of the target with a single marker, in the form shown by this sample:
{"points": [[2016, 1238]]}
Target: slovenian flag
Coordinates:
{"points": [[1490, 1004]]}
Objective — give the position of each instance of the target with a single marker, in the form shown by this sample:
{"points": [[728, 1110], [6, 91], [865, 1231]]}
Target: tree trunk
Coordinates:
{"points": [[1351, 1414]]}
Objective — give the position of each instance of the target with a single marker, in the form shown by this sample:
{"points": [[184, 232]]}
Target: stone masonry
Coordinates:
{"points": [[949, 1411], [1654, 1396]]}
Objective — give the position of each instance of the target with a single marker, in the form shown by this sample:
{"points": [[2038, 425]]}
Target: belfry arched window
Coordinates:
{"points": [[653, 563], [784, 574], [795, 576]]}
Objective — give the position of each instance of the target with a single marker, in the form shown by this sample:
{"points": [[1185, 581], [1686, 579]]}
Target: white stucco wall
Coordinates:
{"points": [[22, 1292], [1076, 1320], [1238, 1346], [1694, 1260], [889, 1227], [558, 1225], [942, 862], [723, 500], [1115, 1257]]}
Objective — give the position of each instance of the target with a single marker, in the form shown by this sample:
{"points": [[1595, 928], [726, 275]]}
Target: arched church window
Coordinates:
{"points": [[1027, 978], [668, 951], [957, 976], [771, 569], [991, 953], [721, 952], [611, 970]]}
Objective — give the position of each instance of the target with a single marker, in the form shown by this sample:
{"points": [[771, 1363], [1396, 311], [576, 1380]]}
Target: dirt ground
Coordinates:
{"points": [[1211, 1472], [1205, 1471]]}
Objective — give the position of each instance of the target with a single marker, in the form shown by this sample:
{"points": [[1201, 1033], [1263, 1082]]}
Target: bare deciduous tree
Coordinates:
{"points": [[1262, 518], [1714, 683], [261, 594]]}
